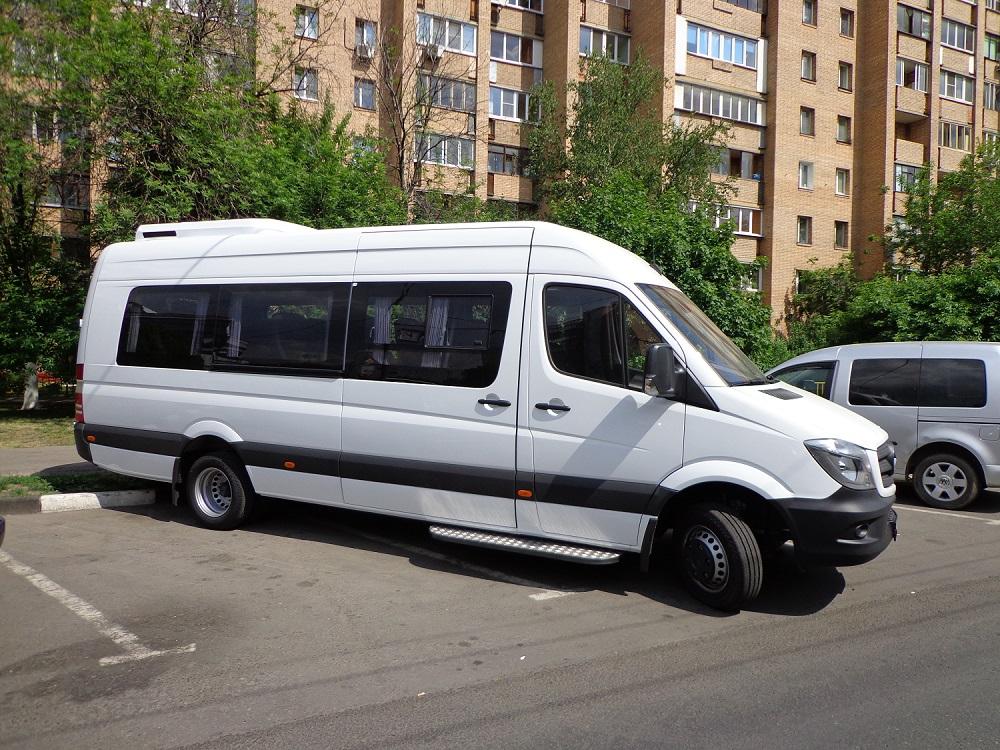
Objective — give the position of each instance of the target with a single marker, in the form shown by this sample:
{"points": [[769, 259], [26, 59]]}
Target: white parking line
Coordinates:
{"points": [[471, 567], [134, 650], [988, 522]]}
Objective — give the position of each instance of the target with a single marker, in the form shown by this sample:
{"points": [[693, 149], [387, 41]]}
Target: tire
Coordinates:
{"points": [[219, 491], [943, 480], [718, 558]]}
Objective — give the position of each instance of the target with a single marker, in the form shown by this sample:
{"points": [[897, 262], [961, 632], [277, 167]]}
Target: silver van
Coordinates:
{"points": [[938, 400]]}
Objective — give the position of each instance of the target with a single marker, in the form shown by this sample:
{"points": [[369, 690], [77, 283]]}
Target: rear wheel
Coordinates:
{"points": [[718, 557], [219, 491], [946, 481]]}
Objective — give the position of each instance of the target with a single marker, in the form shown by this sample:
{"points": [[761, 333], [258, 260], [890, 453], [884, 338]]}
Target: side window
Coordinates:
{"points": [[448, 333], [639, 336], [953, 382], [884, 382], [284, 326], [583, 329], [166, 327], [814, 377]]}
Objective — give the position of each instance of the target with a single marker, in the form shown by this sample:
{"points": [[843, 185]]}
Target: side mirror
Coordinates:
{"points": [[663, 373]]}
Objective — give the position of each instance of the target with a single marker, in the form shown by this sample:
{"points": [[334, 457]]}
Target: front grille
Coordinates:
{"points": [[886, 462]]}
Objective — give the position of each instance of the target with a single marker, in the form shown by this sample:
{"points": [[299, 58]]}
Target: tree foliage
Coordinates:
{"points": [[616, 171]]}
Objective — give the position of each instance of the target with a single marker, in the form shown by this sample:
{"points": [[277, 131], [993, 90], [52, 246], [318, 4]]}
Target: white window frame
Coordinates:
{"points": [[615, 38], [991, 43], [916, 13], [809, 12], [846, 14], [723, 104], [842, 181], [361, 85], [921, 73], [850, 128], [365, 33], [721, 45], [991, 96], [301, 79], [534, 6], [903, 176], [306, 22], [518, 103], [843, 68], [991, 136], [807, 175], [450, 33], [956, 35], [957, 87], [807, 114], [811, 57], [446, 151], [521, 42], [957, 133]]}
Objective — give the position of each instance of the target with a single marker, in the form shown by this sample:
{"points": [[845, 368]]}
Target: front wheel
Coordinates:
{"points": [[719, 558], [946, 481], [219, 491]]}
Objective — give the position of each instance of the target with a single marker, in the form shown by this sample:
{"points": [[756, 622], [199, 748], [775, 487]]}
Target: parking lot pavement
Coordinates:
{"points": [[321, 627]]}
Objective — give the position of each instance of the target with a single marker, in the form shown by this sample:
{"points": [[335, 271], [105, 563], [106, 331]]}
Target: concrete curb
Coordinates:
{"points": [[95, 500], [57, 503]]}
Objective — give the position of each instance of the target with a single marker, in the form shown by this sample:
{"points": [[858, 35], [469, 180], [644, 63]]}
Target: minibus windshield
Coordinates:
{"points": [[722, 354]]}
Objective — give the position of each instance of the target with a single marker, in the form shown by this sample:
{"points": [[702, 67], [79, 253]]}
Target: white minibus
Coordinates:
{"points": [[519, 386]]}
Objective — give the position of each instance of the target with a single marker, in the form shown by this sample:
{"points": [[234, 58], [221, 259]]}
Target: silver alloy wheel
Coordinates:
{"points": [[944, 481], [213, 492], [705, 558]]}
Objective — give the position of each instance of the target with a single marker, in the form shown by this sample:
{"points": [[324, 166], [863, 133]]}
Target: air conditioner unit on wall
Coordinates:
{"points": [[364, 52], [434, 51]]}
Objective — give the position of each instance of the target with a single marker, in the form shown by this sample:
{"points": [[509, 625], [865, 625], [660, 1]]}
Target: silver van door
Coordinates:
{"points": [[884, 389]]}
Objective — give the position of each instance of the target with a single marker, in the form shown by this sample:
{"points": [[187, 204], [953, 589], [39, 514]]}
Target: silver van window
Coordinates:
{"points": [[884, 382]]}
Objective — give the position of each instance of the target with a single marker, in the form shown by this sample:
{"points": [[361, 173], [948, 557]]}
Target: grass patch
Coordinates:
{"points": [[50, 424], [23, 486]]}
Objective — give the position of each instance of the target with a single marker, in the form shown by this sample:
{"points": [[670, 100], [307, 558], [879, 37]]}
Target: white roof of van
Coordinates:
{"points": [[193, 250]]}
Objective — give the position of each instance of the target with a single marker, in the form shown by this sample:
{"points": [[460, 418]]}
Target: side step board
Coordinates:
{"points": [[525, 545]]}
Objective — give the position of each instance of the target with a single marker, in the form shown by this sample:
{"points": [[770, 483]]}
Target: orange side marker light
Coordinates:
{"points": [[91, 439], [289, 464], [526, 494]]}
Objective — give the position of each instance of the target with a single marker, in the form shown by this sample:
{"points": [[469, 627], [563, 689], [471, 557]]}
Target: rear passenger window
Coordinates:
{"points": [[443, 333], [884, 382], [598, 335], [953, 382], [166, 327]]}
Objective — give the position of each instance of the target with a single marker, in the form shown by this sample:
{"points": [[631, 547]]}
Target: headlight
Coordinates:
{"points": [[846, 462]]}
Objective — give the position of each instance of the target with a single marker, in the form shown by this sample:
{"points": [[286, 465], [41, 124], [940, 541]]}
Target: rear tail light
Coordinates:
{"points": [[78, 398]]}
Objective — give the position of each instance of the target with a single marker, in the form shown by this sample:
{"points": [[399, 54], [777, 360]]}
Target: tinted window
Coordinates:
{"points": [[166, 327], [596, 334], [294, 326], [884, 382], [439, 333], [953, 382], [814, 378], [290, 328]]}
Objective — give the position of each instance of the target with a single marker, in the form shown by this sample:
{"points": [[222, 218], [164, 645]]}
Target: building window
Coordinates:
{"points": [[958, 35], [364, 33], [446, 93], [807, 121], [992, 51], [991, 136], [721, 104], [506, 160], [845, 79], [913, 22], [68, 191], [809, 12], [307, 22], [535, 5], [956, 86], [847, 22], [808, 66], [804, 230], [806, 175], [953, 135], [843, 182], [840, 233], [364, 93], [515, 49], [719, 45], [911, 74], [843, 129], [757, 6], [511, 104], [745, 220], [448, 151], [598, 42], [753, 277], [451, 34], [306, 84], [991, 96], [906, 175], [735, 163]]}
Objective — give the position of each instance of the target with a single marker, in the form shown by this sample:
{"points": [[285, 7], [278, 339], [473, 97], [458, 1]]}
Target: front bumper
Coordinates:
{"points": [[826, 532]]}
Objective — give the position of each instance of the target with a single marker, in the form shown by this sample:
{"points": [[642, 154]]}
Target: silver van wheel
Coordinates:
{"points": [[212, 492], [945, 482], [705, 559]]}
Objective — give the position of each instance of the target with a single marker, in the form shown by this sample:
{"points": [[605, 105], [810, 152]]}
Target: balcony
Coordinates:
{"points": [[910, 152], [911, 105], [949, 159]]}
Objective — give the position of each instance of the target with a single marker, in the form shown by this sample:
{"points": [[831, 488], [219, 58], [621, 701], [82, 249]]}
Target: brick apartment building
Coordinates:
{"points": [[833, 104]]}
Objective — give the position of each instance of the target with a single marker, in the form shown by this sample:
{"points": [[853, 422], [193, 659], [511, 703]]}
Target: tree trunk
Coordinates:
{"points": [[30, 387]]}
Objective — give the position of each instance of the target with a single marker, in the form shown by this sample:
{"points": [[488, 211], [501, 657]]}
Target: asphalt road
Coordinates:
{"points": [[330, 629]]}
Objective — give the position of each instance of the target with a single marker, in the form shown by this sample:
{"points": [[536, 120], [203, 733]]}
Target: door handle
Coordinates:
{"points": [[494, 402], [552, 407]]}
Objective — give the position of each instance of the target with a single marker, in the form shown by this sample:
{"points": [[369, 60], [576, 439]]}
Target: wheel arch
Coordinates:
{"points": [[757, 511], [942, 446]]}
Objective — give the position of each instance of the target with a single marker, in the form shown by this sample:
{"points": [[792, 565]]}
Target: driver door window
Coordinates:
{"points": [[815, 378]]}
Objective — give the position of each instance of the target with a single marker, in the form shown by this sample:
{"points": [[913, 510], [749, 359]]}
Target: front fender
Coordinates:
{"points": [[731, 472]]}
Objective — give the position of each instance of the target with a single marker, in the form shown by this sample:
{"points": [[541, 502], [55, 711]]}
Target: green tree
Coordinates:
{"points": [[612, 168]]}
